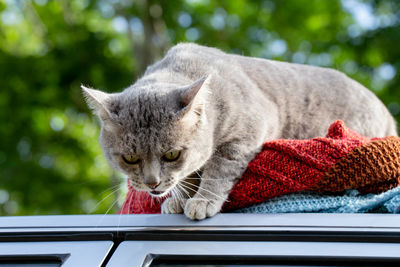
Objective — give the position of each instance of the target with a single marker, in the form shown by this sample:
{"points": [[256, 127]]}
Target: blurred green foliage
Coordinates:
{"points": [[50, 159]]}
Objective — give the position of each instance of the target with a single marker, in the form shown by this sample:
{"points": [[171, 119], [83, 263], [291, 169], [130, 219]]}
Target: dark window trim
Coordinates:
{"points": [[60, 258]]}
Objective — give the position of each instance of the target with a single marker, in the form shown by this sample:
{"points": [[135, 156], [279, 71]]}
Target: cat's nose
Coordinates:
{"points": [[152, 185]]}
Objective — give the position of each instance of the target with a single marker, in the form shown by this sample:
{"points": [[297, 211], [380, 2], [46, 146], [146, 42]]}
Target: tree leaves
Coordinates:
{"points": [[50, 160]]}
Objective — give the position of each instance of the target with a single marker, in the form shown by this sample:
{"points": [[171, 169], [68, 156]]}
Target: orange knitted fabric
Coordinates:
{"points": [[342, 160], [371, 168]]}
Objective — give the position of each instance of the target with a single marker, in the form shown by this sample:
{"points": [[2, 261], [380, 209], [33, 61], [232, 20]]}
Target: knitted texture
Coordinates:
{"points": [[350, 202], [342, 160], [286, 166], [371, 168]]}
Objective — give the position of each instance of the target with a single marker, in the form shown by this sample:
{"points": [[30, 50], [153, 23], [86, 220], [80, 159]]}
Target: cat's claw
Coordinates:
{"points": [[199, 209], [171, 205]]}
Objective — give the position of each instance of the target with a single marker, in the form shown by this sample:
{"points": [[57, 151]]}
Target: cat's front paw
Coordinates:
{"points": [[199, 209], [171, 205]]}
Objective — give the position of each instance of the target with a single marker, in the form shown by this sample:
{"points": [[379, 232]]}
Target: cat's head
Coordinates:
{"points": [[155, 133]]}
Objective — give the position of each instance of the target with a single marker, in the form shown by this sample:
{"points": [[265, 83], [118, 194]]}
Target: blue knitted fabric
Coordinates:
{"points": [[350, 202]]}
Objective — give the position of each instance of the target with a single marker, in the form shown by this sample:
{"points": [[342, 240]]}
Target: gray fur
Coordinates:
{"points": [[221, 122]]}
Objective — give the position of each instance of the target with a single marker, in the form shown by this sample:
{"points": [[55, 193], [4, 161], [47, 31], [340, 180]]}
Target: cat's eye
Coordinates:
{"points": [[171, 155], [130, 159]]}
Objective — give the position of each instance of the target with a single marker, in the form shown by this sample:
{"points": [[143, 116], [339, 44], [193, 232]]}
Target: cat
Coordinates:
{"points": [[202, 111]]}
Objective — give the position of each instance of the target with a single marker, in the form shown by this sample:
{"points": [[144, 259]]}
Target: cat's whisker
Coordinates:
{"points": [[111, 188], [119, 217], [112, 205], [187, 187], [175, 194], [208, 191], [130, 202], [133, 198], [203, 197], [102, 218], [127, 203], [199, 178], [140, 202], [101, 201], [184, 191], [181, 193], [181, 196]]}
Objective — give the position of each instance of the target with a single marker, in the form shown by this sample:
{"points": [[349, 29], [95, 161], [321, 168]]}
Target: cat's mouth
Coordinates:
{"points": [[155, 193]]}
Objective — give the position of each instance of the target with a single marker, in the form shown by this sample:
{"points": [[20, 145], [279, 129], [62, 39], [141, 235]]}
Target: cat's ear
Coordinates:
{"points": [[189, 93], [192, 101], [97, 101]]}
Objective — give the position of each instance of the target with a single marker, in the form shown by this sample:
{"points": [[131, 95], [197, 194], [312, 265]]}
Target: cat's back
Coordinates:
{"points": [[191, 60], [302, 94]]}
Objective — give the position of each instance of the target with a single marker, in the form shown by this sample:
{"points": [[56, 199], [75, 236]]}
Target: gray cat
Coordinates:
{"points": [[202, 111]]}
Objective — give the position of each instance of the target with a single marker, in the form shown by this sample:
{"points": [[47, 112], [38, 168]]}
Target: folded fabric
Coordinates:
{"points": [[350, 202], [340, 161]]}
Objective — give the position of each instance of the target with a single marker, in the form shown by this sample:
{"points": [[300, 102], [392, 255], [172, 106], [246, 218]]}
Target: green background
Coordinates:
{"points": [[50, 159]]}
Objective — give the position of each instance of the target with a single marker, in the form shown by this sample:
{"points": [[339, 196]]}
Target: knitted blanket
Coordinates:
{"points": [[350, 202], [340, 161]]}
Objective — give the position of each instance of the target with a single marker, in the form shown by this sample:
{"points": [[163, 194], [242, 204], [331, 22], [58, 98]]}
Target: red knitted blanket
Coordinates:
{"points": [[341, 160]]}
